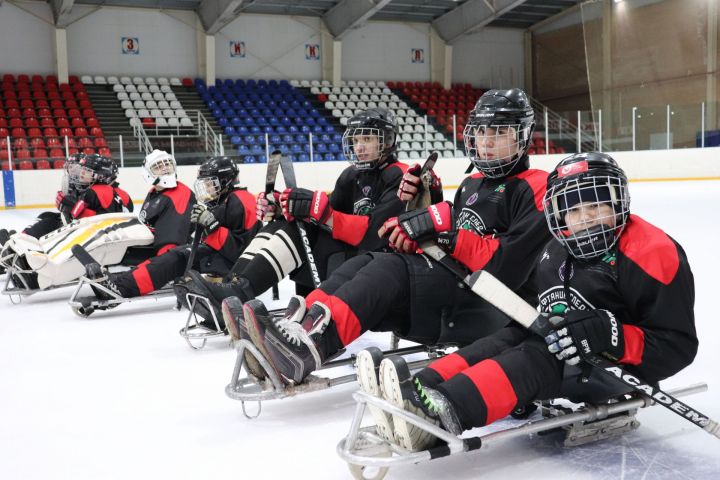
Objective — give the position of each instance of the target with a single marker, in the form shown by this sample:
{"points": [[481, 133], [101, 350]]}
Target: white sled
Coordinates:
{"points": [[246, 387], [48, 260], [369, 456]]}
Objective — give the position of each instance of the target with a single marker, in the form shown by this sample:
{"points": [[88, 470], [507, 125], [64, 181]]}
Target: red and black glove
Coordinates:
{"points": [[404, 231], [63, 200], [586, 332], [303, 204], [410, 183]]}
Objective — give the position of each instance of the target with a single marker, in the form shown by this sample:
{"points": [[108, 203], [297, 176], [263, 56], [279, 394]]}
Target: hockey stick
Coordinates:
{"points": [[422, 196], [270, 177], [193, 248], [496, 293], [288, 172]]}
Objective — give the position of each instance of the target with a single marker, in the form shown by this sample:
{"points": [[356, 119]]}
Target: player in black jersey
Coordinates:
{"points": [[495, 223], [339, 225], [613, 285]]}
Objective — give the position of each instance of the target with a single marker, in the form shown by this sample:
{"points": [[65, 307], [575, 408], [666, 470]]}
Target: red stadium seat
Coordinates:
{"points": [[50, 132], [16, 122], [81, 132], [77, 122], [42, 164], [65, 132], [57, 153], [37, 142], [187, 82], [53, 142], [44, 112], [3, 133], [40, 153], [58, 163], [47, 122], [88, 151], [18, 132], [88, 113], [105, 152], [65, 87], [20, 143], [62, 122], [22, 153], [92, 122], [56, 104], [31, 122], [25, 165], [52, 79], [84, 142], [71, 104], [100, 142], [96, 132], [74, 113], [73, 79]]}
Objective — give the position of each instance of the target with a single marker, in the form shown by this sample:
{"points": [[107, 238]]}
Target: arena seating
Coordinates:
{"points": [[38, 114], [416, 138], [151, 102], [248, 110]]}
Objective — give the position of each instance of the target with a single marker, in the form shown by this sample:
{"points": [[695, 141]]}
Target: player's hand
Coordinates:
{"points": [[267, 206], [204, 217], [313, 207], [398, 239], [411, 181], [581, 333]]}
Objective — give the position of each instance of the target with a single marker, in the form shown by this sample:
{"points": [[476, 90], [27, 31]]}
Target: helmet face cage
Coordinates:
{"points": [[208, 189], [495, 148], [598, 207], [159, 169], [364, 146]]}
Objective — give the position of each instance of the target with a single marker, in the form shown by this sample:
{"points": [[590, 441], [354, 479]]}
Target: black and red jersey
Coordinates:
{"points": [[167, 214], [363, 200], [500, 223], [645, 281], [238, 224], [99, 199]]}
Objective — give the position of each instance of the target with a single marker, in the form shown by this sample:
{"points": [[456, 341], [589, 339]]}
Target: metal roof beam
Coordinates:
{"points": [[215, 14], [349, 14], [472, 15], [61, 12]]}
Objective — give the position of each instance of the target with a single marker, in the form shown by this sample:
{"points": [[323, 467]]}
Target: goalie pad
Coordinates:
{"points": [[106, 237]]}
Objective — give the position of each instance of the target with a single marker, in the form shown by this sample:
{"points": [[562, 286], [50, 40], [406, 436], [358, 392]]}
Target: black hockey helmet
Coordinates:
{"points": [[358, 147], [502, 122], [595, 181], [86, 170], [216, 177]]}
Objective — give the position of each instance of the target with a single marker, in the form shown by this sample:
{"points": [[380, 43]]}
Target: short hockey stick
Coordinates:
{"points": [[288, 172], [504, 299]]}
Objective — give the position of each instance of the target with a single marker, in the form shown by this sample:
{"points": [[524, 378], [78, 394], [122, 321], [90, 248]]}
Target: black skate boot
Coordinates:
{"points": [[232, 312], [257, 318], [399, 388], [4, 237], [24, 277], [95, 272], [296, 349], [215, 293]]}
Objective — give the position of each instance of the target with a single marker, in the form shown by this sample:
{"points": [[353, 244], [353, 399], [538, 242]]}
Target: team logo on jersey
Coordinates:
{"points": [[472, 199], [553, 300], [561, 271], [610, 259], [142, 216], [545, 256], [366, 190], [500, 188], [363, 207], [470, 220]]}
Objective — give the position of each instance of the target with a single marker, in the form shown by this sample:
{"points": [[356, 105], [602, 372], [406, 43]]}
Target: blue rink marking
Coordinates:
{"points": [[9, 187]]}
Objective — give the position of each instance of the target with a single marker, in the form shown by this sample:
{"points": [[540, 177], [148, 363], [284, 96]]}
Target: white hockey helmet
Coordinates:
{"points": [[160, 169]]}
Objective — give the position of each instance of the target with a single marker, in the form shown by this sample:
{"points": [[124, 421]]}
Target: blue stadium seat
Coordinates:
{"points": [[262, 83], [280, 129], [243, 149], [301, 138], [292, 129], [323, 121], [239, 83], [320, 148], [242, 130], [255, 129], [305, 129], [325, 138], [235, 140], [199, 82], [274, 139], [249, 159], [337, 138], [273, 84], [229, 131], [250, 83], [318, 130], [236, 122], [286, 121], [237, 105], [250, 139], [268, 129], [230, 113], [223, 122], [296, 148], [314, 113], [303, 157], [284, 83], [287, 138], [329, 157], [335, 148]]}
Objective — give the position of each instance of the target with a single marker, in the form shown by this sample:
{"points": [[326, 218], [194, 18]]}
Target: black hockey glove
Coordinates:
{"points": [[305, 204], [585, 332], [204, 217], [427, 222]]}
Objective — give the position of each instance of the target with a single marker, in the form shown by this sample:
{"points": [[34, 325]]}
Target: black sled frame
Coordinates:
{"points": [[369, 456], [16, 287]]}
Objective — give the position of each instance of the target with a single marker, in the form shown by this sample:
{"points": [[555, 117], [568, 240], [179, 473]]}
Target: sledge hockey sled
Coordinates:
{"points": [[369, 456], [196, 330], [38, 264], [86, 306], [249, 388]]}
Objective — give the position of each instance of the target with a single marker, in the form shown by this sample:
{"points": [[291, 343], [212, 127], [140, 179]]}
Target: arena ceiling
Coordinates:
{"points": [[451, 18]]}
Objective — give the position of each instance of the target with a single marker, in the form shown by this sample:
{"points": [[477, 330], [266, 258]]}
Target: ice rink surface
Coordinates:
{"points": [[120, 395]]}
